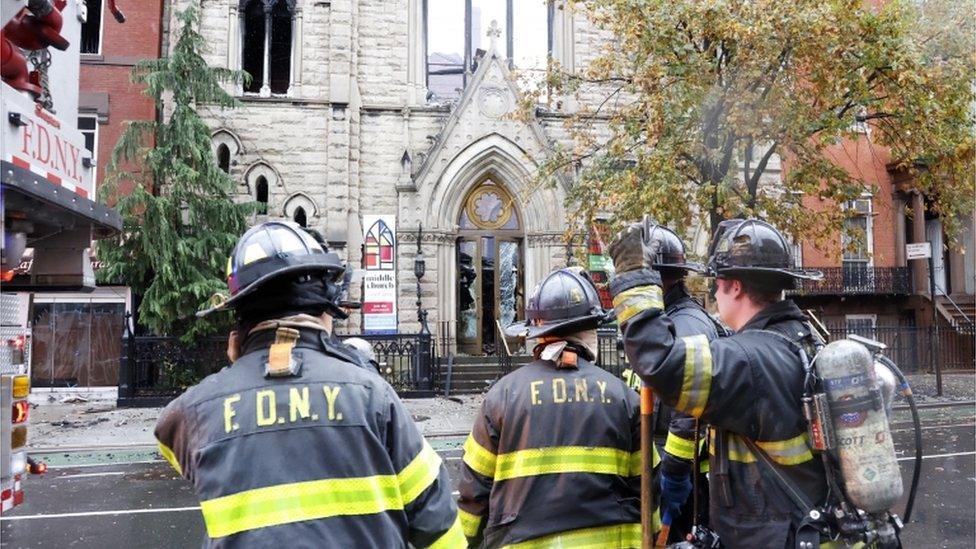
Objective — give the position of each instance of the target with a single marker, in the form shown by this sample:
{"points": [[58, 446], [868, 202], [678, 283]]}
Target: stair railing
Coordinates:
{"points": [[945, 294]]}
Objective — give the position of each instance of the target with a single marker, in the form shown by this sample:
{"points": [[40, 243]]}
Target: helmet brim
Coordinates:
{"points": [[254, 286], [686, 266], [799, 274], [534, 331]]}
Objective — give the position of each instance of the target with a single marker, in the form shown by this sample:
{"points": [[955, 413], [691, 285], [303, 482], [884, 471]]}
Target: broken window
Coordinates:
{"points": [[91, 29], [457, 36], [252, 54], [266, 42]]}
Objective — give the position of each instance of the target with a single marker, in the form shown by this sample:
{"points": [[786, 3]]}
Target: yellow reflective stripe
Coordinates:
{"points": [[616, 535], [563, 459], [419, 474], [287, 503], [453, 538], [478, 458], [170, 457], [635, 461], [697, 380], [470, 522], [679, 447], [634, 301], [792, 451]]}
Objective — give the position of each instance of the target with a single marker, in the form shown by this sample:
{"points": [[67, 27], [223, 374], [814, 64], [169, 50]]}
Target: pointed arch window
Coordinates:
{"points": [[379, 246], [267, 39], [299, 216], [456, 36], [261, 194], [223, 157]]}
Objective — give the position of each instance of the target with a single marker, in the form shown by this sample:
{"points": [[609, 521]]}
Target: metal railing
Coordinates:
{"points": [[154, 370], [851, 279]]}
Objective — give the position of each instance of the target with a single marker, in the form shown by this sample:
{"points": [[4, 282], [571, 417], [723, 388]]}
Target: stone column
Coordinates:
{"points": [[920, 268], [297, 38], [265, 85], [234, 44], [898, 201]]}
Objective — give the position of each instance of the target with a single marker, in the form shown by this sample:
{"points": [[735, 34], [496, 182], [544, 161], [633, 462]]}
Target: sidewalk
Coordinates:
{"points": [[101, 424]]}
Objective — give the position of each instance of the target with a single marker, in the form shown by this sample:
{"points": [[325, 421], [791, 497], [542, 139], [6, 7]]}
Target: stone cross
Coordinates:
{"points": [[494, 32]]}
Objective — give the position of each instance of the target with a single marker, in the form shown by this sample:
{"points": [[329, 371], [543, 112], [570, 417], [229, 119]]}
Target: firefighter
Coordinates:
{"points": [[674, 432], [294, 443], [748, 386], [553, 459]]}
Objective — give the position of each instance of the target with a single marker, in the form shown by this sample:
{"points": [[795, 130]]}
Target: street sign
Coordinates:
{"points": [[919, 250]]}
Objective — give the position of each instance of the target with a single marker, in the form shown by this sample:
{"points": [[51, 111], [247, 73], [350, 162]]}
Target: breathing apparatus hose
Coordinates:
{"points": [[906, 391]]}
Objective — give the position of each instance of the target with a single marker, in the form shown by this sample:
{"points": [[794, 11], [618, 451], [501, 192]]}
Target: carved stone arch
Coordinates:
{"points": [[299, 200], [224, 136], [540, 209], [261, 169]]}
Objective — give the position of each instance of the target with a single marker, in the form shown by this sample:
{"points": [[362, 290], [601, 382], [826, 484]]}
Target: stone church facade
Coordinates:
{"points": [[405, 108]]}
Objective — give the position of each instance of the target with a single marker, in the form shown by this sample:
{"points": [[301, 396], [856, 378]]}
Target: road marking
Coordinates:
{"points": [[104, 513], [109, 464], [86, 475], [936, 456]]}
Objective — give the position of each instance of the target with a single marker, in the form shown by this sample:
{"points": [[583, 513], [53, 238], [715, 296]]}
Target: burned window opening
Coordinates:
{"points": [[300, 216], [279, 58], [261, 191], [252, 55]]}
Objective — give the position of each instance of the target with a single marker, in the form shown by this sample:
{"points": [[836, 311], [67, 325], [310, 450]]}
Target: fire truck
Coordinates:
{"points": [[49, 213]]}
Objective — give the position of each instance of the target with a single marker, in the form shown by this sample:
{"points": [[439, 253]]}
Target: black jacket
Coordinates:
{"points": [[748, 385], [328, 457], [554, 457], [675, 431]]}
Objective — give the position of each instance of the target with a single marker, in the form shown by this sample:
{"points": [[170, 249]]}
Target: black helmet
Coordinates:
{"points": [[564, 302], [270, 250], [754, 248], [669, 251]]}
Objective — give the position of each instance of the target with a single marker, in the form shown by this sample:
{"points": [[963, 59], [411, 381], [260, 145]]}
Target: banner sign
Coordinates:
{"points": [[379, 278]]}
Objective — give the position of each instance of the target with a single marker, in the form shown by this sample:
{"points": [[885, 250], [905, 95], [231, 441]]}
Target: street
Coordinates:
{"points": [[130, 498]]}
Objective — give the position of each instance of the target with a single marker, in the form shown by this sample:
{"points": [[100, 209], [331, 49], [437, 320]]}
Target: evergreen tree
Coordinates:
{"points": [[180, 219]]}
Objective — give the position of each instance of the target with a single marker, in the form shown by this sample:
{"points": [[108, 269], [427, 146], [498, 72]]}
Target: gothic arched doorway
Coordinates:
{"points": [[490, 267]]}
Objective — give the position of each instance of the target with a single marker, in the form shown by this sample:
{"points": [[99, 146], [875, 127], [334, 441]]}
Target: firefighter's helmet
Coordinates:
{"points": [[270, 250], [668, 252], [754, 248], [565, 302]]}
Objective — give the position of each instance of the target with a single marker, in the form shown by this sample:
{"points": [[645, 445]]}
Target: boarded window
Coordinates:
{"points": [[77, 344]]}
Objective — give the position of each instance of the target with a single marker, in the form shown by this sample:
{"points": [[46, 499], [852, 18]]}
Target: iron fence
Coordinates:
{"points": [[914, 349], [155, 370]]}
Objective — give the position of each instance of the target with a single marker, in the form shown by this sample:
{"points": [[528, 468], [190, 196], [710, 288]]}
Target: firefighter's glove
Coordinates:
{"points": [[627, 250], [675, 490], [632, 259]]}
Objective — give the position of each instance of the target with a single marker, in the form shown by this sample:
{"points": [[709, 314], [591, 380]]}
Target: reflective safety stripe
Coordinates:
{"points": [[679, 447], [793, 451], [635, 461], [613, 536], [564, 459], [470, 522], [697, 380], [286, 503], [170, 457], [419, 474], [788, 452], [478, 458], [452, 539], [634, 301]]}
